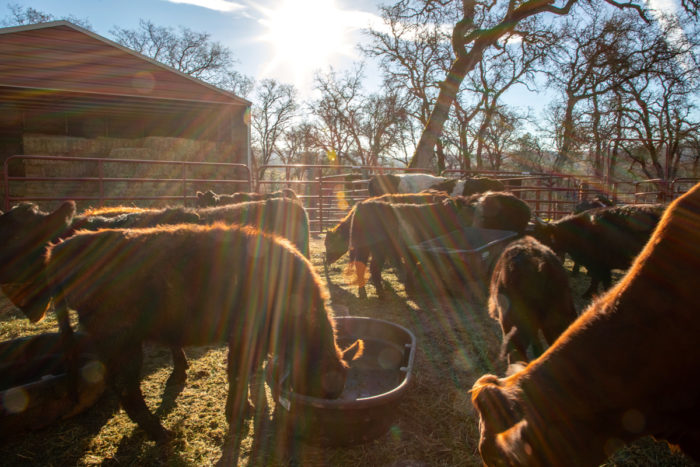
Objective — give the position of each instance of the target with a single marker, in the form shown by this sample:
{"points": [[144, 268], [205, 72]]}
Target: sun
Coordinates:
{"points": [[305, 35]]}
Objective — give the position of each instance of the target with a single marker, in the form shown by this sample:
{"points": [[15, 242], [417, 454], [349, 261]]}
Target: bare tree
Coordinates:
{"points": [[272, 117], [480, 27], [361, 129], [20, 16], [412, 57], [190, 52], [530, 154], [335, 111]]}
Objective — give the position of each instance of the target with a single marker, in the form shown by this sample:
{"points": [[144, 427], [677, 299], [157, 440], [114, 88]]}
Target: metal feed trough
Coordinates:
{"points": [[377, 382], [460, 262]]}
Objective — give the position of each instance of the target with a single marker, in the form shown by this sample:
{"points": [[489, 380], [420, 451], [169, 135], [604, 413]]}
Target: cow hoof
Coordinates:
{"points": [[237, 414], [362, 293], [164, 437]]}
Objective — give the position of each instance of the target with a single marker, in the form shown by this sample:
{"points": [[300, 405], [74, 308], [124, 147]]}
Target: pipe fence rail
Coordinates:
{"points": [[93, 179], [328, 192]]}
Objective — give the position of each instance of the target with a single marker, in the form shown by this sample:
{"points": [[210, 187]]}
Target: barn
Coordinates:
{"points": [[66, 91]]}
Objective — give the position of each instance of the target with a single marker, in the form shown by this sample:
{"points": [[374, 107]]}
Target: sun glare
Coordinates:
{"points": [[305, 35]]}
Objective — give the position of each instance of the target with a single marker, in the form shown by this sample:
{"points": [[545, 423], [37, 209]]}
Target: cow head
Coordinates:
{"points": [[462, 208], [327, 379], [25, 232], [543, 232], [515, 431], [336, 245], [33, 298], [205, 200]]}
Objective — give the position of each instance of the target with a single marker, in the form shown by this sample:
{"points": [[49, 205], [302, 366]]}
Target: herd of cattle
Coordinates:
{"points": [[236, 270]]}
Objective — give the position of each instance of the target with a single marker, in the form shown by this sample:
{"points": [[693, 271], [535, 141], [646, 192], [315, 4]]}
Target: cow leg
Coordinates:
{"points": [[410, 272], [515, 345], [360, 258], [593, 287], [68, 343], [180, 365], [606, 279], [537, 347], [237, 404], [124, 370], [375, 271]]}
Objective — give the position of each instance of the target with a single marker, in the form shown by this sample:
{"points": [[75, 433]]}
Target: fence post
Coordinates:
{"points": [[7, 185], [184, 184], [101, 174], [320, 200]]}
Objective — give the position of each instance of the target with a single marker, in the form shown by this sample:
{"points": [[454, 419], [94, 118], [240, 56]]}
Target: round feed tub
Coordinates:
{"points": [[376, 384], [34, 385]]}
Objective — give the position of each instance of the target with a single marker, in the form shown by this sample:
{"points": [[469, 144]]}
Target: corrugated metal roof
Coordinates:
{"points": [[60, 56]]}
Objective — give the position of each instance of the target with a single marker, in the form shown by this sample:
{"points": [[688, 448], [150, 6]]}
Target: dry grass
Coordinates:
{"points": [[435, 424]]}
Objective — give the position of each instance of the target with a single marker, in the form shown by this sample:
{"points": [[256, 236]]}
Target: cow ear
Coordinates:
{"points": [[354, 351], [65, 211], [496, 410], [58, 221]]}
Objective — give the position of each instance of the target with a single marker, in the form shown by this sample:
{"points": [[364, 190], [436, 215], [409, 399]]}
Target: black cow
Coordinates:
{"points": [[602, 239], [529, 292]]}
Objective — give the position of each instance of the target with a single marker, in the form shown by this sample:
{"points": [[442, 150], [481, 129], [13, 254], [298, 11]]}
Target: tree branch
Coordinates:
{"points": [[629, 5]]}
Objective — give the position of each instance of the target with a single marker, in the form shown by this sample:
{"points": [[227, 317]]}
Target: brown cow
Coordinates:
{"points": [[210, 198], [529, 292], [180, 285], [129, 218], [281, 216], [626, 368], [286, 218], [386, 231], [338, 238]]}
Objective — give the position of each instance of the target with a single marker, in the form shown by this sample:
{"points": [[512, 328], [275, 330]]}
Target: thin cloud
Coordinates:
{"points": [[361, 20], [217, 5]]}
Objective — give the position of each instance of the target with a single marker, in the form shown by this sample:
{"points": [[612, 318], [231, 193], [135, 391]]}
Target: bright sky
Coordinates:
{"points": [[283, 39]]}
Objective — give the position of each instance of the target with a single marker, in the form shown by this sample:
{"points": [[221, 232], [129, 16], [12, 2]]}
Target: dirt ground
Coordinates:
{"points": [[434, 425]]}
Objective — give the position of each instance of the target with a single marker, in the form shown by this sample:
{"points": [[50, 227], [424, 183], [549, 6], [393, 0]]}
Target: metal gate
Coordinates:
{"points": [[328, 192]]}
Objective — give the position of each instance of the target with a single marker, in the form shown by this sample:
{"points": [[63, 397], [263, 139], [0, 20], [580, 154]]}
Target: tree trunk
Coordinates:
{"points": [[424, 155], [440, 153], [464, 150], [567, 138]]}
